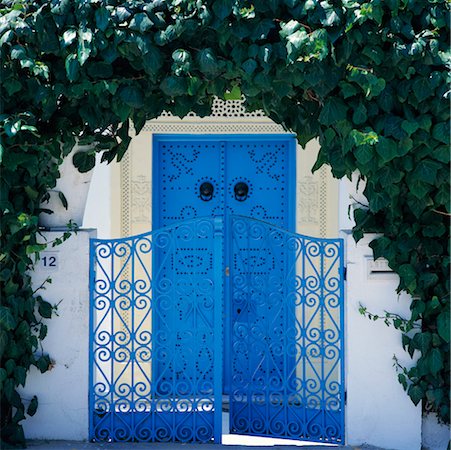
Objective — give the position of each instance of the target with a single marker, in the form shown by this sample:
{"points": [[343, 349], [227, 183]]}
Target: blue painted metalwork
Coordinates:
{"points": [[185, 165], [161, 305], [287, 345], [156, 335]]}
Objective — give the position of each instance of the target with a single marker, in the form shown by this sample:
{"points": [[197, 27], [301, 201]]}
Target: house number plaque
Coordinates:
{"points": [[49, 261]]}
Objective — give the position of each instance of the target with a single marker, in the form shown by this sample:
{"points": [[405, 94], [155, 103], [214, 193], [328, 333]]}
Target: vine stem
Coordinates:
{"points": [[441, 212]]}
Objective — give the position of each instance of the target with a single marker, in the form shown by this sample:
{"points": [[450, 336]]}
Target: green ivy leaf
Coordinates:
{"points": [[102, 16], [174, 86], [20, 375], [418, 188], [442, 154], [387, 149], [122, 110], [234, 94], [249, 66], [379, 201], [403, 380], [443, 325], [72, 67], [418, 205], [69, 36], [435, 361], [6, 318], [334, 109], [122, 14], [348, 89], [63, 199], [222, 8], [141, 23], [43, 331], [131, 96], [368, 138], [207, 61], [428, 279], [441, 132], [422, 89], [426, 171], [36, 248], [364, 154], [288, 28], [422, 341], [45, 309], [360, 114], [84, 45], [43, 363], [296, 42], [408, 276], [19, 52], [415, 393], [84, 161], [33, 406], [410, 127], [152, 60]]}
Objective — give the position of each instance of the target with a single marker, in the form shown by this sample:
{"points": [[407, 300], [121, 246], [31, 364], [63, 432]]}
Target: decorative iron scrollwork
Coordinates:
{"points": [[287, 337], [155, 335]]}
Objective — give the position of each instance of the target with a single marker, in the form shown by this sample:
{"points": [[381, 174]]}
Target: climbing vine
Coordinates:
{"points": [[368, 78]]}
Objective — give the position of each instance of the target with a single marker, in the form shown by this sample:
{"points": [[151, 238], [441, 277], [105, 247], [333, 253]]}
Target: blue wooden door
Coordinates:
{"points": [[249, 175], [263, 166]]}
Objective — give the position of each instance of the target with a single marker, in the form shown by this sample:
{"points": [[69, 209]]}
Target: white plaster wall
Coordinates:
{"points": [[378, 412], [350, 195], [98, 205], [435, 435], [63, 391]]}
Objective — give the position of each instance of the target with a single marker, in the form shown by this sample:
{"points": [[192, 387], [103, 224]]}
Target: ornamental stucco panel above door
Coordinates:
{"points": [[131, 184]]}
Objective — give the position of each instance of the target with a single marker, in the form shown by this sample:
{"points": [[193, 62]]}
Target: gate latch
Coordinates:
{"points": [[227, 271]]}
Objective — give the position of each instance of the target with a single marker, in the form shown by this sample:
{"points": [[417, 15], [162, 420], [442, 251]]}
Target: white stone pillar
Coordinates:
{"points": [[63, 391], [378, 410]]}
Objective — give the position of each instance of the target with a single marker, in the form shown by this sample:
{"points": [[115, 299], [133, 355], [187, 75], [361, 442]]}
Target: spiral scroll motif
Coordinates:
{"points": [[287, 337], [153, 336]]}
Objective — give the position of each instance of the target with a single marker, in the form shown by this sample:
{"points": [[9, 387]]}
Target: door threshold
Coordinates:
{"points": [[261, 441]]}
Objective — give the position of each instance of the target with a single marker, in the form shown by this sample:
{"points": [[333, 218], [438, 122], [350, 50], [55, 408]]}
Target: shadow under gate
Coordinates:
{"points": [[157, 327]]}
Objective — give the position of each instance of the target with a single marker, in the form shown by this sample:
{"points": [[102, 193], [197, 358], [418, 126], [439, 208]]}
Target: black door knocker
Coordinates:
{"points": [[206, 191], [241, 190]]}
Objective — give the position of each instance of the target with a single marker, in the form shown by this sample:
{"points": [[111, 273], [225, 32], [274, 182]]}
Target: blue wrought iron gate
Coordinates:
{"points": [[288, 365], [220, 304], [164, 382]]}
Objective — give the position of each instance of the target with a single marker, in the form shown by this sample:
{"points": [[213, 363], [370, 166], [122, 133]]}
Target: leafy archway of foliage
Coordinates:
{"points": [[366, 77]]}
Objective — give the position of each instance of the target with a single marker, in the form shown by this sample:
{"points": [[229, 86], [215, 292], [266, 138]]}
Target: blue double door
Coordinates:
{"points": [[216, 175]]}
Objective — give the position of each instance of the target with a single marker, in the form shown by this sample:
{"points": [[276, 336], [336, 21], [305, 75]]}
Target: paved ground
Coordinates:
{"points": [[74, 445]]}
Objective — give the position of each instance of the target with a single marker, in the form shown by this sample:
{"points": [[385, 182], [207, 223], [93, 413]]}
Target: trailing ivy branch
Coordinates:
{"points": [[391, 319], [367, 78]]}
